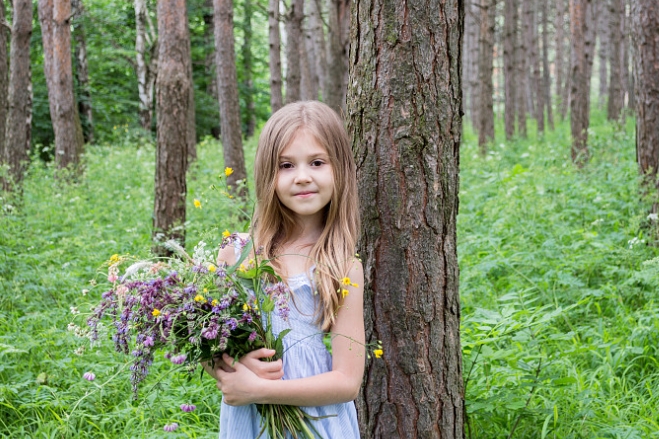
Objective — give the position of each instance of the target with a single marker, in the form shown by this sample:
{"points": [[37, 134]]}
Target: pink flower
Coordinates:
{"points": [[89, 376], [170, 427], [188, 407], [113, 274], [178, 359]]}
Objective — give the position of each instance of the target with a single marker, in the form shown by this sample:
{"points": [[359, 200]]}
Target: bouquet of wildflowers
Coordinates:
{"points": [[194, 310]]}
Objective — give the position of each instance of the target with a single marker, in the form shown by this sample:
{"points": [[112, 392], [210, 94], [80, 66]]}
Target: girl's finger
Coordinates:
{"points": [[263, 353]]}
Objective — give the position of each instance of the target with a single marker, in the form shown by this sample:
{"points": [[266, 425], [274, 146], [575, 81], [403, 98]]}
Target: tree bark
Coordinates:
{"points": [[559, 63], [227, 85], [146, 69], [510, 85], [581, 63], [485, 69], [472, 27], [4, 85], [522, 75], [274, 38], [545, 64], [645, 25], [404, 116], [627, 76], [172, 112], [20, 87], [528, 19], [317, 32], [66, 121], [538, 83], [335, 57], [616, 96], [294, 18], [82, 73], [309, 80], [603, 49], [45, 12], [248, 83], [209, 60]]}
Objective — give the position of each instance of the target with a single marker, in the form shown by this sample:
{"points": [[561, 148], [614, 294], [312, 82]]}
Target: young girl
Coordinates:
{"points": [[306, 221]]}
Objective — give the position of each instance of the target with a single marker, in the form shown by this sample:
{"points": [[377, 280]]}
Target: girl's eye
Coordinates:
{"points": [[317, 163], [285, 165]]}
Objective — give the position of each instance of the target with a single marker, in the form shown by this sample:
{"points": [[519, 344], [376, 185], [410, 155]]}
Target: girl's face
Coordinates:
{"points": [[305, 181]]}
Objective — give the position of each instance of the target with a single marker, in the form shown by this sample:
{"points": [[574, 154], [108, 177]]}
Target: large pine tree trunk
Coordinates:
{"points": [[509, 43], [45, 12], [581, 64], [522, 75], [485, 69], [274, 38], [172, 111], [539, 94], [404, 109], [82, 72], [20, 86], [294, 18], [645, 25], [4, 83], [227, 85], [627, 76], [335, 57], [528, 19], [66, 122], [248, 83], [616, 96], [559, 63]]}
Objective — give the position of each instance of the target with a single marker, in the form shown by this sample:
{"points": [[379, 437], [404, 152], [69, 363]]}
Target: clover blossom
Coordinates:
{"points": [[188, 407], [89, 376], [170, 427]]}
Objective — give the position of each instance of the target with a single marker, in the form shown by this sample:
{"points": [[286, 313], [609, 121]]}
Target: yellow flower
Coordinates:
{"points": [[242, 268], [228, 171], [197, 203], [344, 292], [245, 307], [215, 302], [378, 353], [155, 312], [199, 298], [347, 281], [226, 233], [205, 290], [114, 258], [211, 268]]}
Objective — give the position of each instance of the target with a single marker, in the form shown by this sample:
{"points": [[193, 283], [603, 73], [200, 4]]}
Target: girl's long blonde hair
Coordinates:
{"points": [[273, 223]]}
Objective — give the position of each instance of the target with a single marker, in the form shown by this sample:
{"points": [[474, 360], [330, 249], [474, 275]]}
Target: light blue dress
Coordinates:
{"points": [[304, 355]]}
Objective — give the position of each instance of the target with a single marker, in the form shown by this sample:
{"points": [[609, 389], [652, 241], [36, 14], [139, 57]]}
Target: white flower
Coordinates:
{"points": [[71, 327], [80, 350], [635, 241], [653, 217], [74, 310], [85, 291]]}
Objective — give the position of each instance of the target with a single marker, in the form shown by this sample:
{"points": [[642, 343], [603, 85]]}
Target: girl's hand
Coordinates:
{"points": [[239, 387], [218, 363], [269, 370]]}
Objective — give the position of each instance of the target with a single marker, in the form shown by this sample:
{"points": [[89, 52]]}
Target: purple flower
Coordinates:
{"points": [[148, 341], [188, 407], [89, 376], [252, 336], [170, 427], [178, 359], [210, 333], [232, 324]]}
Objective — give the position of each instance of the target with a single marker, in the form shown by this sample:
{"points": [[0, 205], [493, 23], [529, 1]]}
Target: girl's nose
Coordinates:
{"points": [[302, 175]]}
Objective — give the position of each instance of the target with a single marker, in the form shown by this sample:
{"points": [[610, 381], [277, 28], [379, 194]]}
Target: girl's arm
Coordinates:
{"points": [[341, 384]]}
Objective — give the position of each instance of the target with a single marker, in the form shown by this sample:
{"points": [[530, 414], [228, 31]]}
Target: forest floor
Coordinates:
{"points": [[559, 275]]}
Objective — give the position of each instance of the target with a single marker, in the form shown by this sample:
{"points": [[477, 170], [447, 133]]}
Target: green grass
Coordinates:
{"points": [[558, 286]]}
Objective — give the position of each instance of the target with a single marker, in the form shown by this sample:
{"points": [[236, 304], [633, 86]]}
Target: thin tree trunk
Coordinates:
{"points": [[645, 25], [627, 76], [191, 122], [580, 78], [45, 11], [559, 25], [317, 32], [335, 61], [227, 85], [294, 18], [522, 76], [510, 87], [405, 120], [66, 122], [20, 88], [248, 83], [545, 64], [82, 73], [470, 63], [485, 68], [146, 71], [209, 60], [4, 84], [274, 38], [604, 48], [616, 96], [309, 80], [172, 102], [538, 83]]}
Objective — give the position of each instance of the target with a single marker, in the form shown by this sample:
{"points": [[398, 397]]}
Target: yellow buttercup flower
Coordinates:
{"points": [[197, 203], [347, 281], [212, 268], [155, 312], [242, 268], [228, 171], [226, 233], [215, 302], [378, 353], [115, 258], [344, 292], [245, 307], [199, 298]]}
